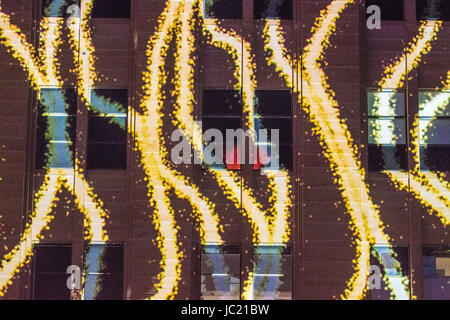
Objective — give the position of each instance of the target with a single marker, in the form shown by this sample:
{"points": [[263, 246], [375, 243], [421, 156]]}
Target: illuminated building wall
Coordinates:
{"points": [[89, 105]]}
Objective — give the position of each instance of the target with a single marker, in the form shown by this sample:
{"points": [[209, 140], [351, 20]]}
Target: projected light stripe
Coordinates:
{"points": [[367, 225], [394, 74], [429, 189], [54, 179]]}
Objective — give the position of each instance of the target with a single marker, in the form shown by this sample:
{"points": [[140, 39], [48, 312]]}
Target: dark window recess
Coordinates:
{"points": [[111, 9], [274, 111], [223, 9], [107, 129], [222, 103], [55, 128], [50, 263], [395, 268], [388, 157], [436, 273], [435, 157], [222, 110], [104, 269], [390, 9], [277, 9], [433, 10], [58, 8]]}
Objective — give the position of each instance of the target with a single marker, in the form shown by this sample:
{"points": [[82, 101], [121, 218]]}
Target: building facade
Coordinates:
{"points": [[96, 202]]}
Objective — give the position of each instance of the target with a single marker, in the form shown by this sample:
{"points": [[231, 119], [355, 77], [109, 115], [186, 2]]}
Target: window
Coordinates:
{"points": [[436, 273], [279, 9], [57, 8], [49, 277], [111, 9], [390, 9], [434, 130], [433, 10], [104, 267], [223, 9], [273, 111], [272, 269], [222, 110], [396, 269], [107, 129], [220, 272], [55, 129], [387, 130]]}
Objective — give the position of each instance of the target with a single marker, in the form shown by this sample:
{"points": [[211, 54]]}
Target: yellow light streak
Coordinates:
{"points": [[394, 74], [339, 148]]}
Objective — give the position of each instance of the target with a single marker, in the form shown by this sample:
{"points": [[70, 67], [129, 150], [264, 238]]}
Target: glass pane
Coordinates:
{"points": [[220, 287], [104, 265], [114, 101], [395, 268], [111, 9], [222, 102], [51, 286], [386, 103], [435, 157], [220, 269], [103, 287], [223, 249], [273, 102], [56, 127], [101, 258], [434, 131], [57, 8], [60, 155], [388, 157], [221, 264], [272, 266], [387, 131], [281, 9], [223, 9], [433, 10], [50, 263], [57, 100], [52, 258], [283, 125], [272, 287], [106, 129], [434, 103], [436, 271], [222, 124]]}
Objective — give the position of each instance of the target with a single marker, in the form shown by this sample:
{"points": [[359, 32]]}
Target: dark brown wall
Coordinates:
{"points": [[321, 237]]}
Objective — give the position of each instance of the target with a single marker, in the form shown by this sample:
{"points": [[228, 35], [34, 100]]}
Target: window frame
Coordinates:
{"points": [[290, 18], [221, 245], [289, 117], [401, 166], [69, 117], [34, 273], [204, 115], [92, 114], [420, 4], [444, 117], [207, 17], [86, 273], [287, 246]]}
